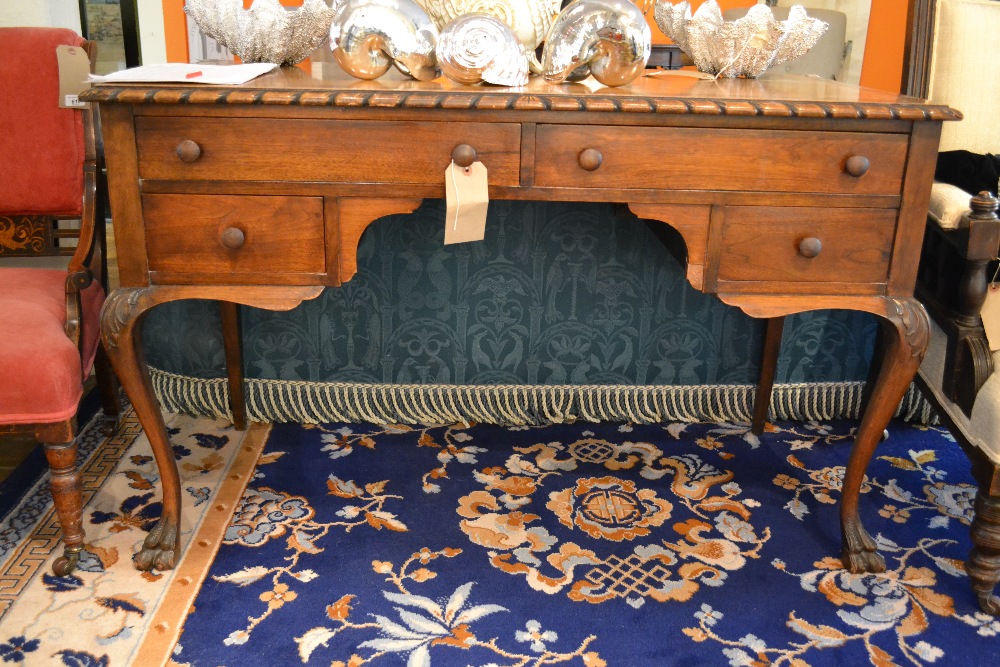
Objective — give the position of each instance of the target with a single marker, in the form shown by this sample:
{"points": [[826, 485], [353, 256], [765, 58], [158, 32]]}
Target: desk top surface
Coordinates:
{"points": [[672, 93]]}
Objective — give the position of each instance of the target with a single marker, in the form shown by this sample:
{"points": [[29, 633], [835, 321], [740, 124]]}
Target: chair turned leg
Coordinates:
{"points": [[983, 565], [107, 384], [768, 365], [67, 495]]}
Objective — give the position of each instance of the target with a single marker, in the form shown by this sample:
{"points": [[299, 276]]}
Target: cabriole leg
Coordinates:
{"points": [[121, 326], [905, 332]]}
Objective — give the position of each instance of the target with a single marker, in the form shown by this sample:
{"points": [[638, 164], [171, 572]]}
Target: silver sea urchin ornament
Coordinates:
{"points": [[478, 47], [746, 47], [267, 32]]}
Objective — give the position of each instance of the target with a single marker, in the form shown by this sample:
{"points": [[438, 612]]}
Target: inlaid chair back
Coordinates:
{"points": [[49, 327]]}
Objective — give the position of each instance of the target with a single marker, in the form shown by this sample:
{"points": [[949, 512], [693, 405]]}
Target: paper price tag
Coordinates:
{"points": [[467, 198], [74, 70], [991, 316]]}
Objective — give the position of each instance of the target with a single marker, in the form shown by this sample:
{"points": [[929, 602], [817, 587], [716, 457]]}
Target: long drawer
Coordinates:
{"points": [[302, 150], [851, 163]]}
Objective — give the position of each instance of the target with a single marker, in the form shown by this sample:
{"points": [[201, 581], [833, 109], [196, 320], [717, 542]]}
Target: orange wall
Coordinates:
{"points": [[175, 31], [882, 67]]}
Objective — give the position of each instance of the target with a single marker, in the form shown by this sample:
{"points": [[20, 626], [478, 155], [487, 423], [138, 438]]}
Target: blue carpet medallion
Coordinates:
{"points": [[589, 544]]}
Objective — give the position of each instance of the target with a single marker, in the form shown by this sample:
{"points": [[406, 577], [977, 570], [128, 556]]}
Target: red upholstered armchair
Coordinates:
{"points": [[49, 317]]}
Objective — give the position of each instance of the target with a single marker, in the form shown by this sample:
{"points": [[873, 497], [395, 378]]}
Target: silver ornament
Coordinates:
{"points": [[267, 32], [609, 39], [529, 19], [746, 47], [369, 36], [478, 47]]}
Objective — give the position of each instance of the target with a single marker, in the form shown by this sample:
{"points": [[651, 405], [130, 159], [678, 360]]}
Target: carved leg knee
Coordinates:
{"points": [[983, 565]]}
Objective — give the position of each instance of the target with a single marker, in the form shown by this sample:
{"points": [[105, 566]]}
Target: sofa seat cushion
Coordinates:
{"points": [[41, 374], [983, 427]]}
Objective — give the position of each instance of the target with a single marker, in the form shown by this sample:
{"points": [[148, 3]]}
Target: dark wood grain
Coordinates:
{"points": [[233, 345], [769, 351], [702, 159], [314, 150], [762, 243], [186, 235]]}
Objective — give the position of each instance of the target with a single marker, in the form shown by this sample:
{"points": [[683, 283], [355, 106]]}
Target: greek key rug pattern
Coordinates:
{"points": [[101, 614]]}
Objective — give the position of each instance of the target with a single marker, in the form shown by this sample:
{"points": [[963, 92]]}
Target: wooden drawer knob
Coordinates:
{"points": [[857, 165], [810, 246], [464, 155], [188, 151], [233, 238], [590, 159]]}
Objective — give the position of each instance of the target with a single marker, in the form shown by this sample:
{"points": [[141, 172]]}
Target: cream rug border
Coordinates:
{"points": [[164, 628]]}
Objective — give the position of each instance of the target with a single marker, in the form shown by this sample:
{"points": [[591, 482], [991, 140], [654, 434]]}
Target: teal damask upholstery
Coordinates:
{"points": [[557, 294]]}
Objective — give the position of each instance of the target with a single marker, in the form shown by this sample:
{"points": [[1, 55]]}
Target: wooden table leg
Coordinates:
{"points": [[121, 327], [233, 343], [905, 330], [770, 348]]}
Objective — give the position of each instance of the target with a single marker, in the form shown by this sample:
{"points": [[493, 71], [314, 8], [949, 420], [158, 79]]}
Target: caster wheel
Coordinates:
{"points": [[66, 563]]}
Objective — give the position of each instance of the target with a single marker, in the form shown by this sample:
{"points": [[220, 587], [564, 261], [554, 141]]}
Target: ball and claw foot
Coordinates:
{"points": [[159, 548], [860, 553], [989, 603], [65, 564]]}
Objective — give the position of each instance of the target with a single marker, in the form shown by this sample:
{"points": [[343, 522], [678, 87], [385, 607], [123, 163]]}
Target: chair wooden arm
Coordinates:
{"points": [[88, 260], [952, 282]]}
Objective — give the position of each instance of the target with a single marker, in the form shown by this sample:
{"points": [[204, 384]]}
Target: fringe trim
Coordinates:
{"points": [[318, 402]]}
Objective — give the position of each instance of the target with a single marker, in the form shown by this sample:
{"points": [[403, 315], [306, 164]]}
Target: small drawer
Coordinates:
{"points": [[332, 151], [805, 245], [234, 238], [719, 159]]}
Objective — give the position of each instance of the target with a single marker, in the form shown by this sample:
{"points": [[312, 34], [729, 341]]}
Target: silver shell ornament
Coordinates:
{"points": [[477, 47], [529, 19], [369, 36], [609, 39], [267, 32], [746, 47]]}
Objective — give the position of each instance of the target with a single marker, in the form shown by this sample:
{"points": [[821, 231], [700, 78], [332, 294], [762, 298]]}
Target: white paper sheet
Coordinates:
{"points": [[187, 73]]}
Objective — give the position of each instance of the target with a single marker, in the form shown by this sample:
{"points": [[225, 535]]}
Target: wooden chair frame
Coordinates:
{"points": [[87, 264]]}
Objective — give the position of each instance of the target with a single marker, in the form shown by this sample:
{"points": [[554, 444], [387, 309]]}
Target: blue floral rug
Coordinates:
{"points": [[589, 544]]}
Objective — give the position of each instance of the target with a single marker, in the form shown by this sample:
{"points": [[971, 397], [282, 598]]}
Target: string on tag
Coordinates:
{"points": [[458, 203], [997, 272]]}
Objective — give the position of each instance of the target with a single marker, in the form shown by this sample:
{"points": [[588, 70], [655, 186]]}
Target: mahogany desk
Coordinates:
{"points": [[782, 195]]}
